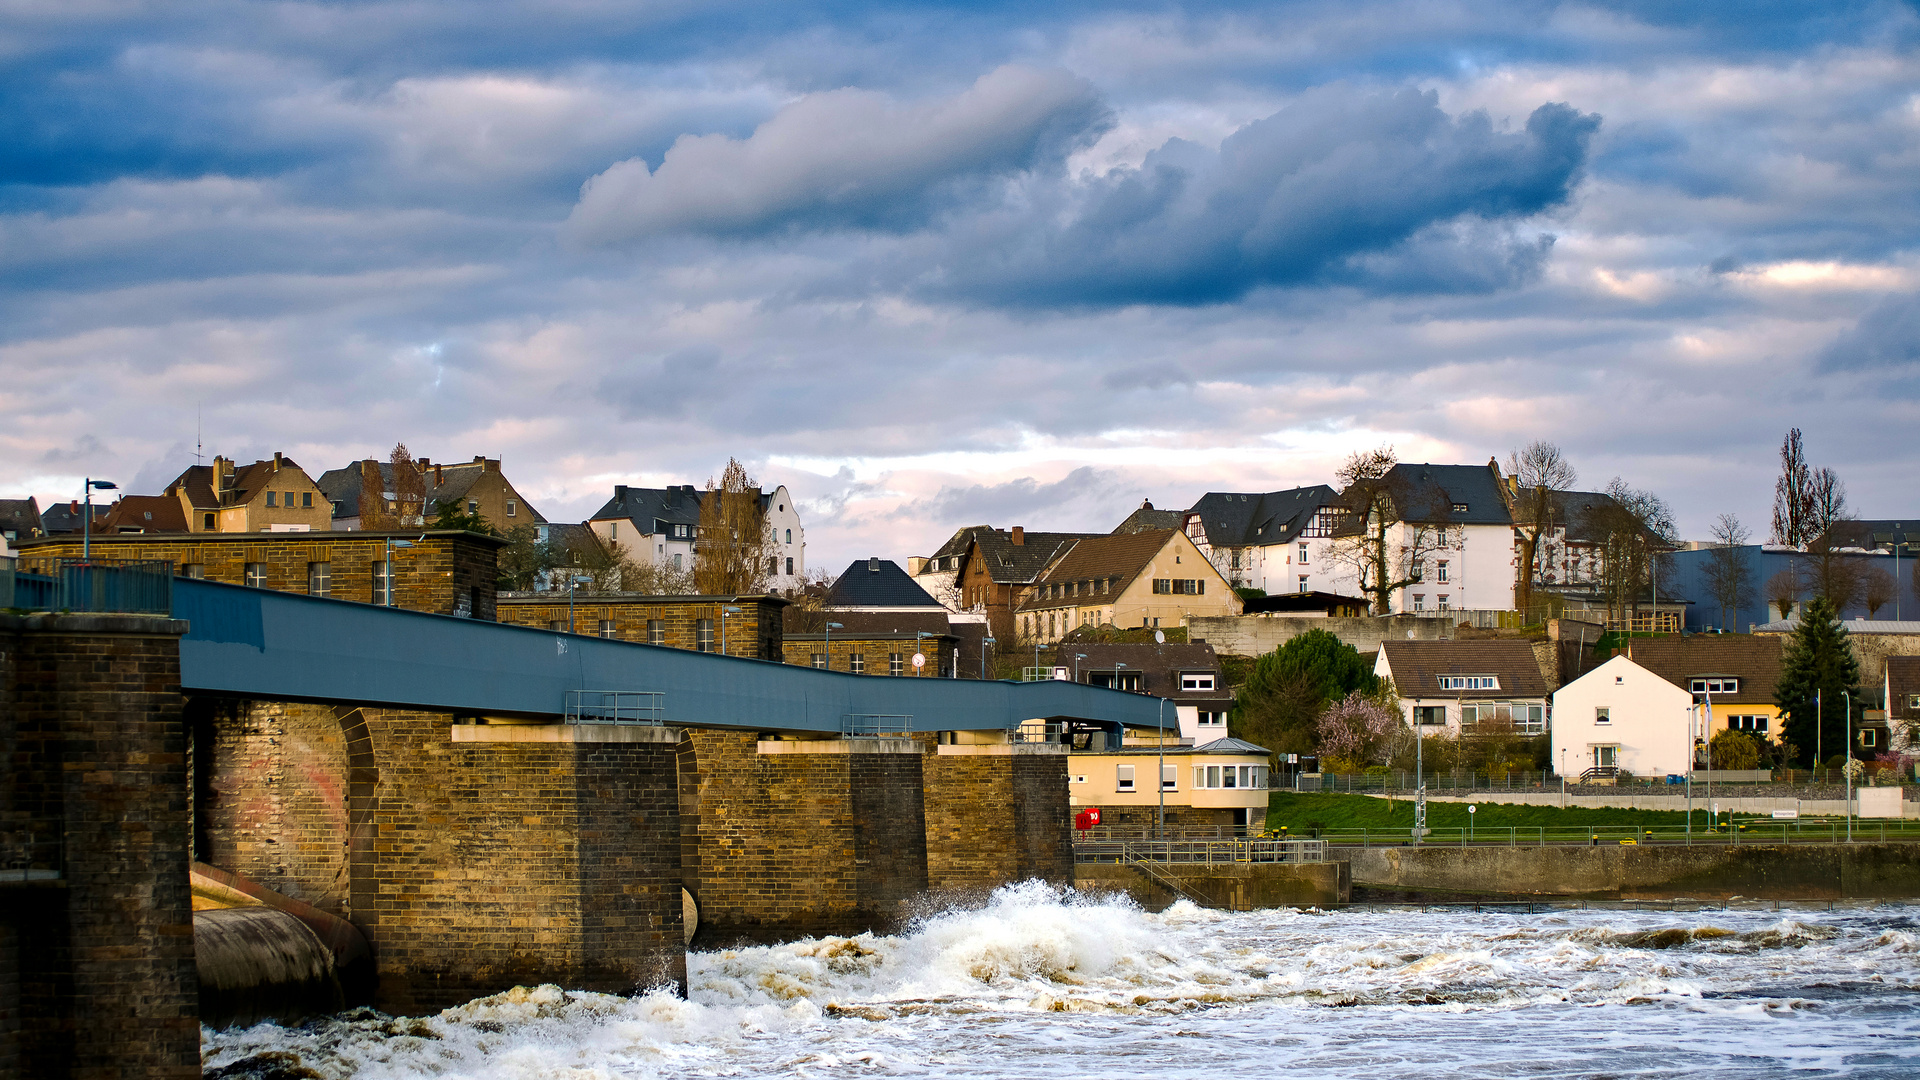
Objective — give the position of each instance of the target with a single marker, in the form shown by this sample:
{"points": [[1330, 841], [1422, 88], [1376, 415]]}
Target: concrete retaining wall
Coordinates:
{"points": [[1257, 635], [1871, 800], [1234, 887], [1768, 872]]}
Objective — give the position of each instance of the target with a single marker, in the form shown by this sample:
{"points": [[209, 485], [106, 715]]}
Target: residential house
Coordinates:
{"points": [[145, 514], [1621, 718], [1467, 687], [1219, 784], [1275, 542], [997, 569], [1901, 685], [1731, 677], [1570, 559], [884, 619], [1307, 605], [266, 496], [1147, 519], [1149, 579], [750, 626], [658, 527], [19, 520], [478, 487], [1454, 536], [1187, 675], [64, 519]]}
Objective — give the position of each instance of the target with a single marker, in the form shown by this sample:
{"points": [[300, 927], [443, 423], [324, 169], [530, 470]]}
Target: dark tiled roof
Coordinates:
{"points": [[248, 480], [1147, 518], [1117, 558], [1237, 519], [1008, 563], [147, 513], [65, 517], [1583, 514], [1161, 665], [960, 541], [444, 483], [1217, 746], [1879, 531], [1307, 601], [1754, 660], [1418, 665], [1435, 494], [878, 583], [21, 517], [650, 508]]}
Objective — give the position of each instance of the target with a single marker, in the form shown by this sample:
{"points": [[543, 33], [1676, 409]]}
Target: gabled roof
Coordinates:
{"points": [[1877, 531], [61, 518], [443, 482], [960, 541], [1754, 661], [1118, 559], [1008, 563], [1147, 518], [197, 482], [1230, 746], [800, 621], [1246, 519], [1449, 494], [648, 508], [21, 517], [146, 513], [1416, 667], [876, 582], [1583, 514], [1159, 663]]}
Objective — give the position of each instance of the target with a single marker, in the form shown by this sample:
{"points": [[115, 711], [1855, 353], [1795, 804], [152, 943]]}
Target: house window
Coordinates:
{"points": [[1602, 714], [789, 566], [319, 578], [556, 626], [1419, 572], [773, 564], [1303, 583], [339, 508], [1419, 602], [790, 539], [1212, 719], [1470, 714], [306, 500], [606, 628], [1430, 715], [257, 575], [1443, 602], [1196, 680], [1440, 572], [1440, 536], [1748, 723], [382, 582], [472, 507], [676, 560], [207, 522], [1868, 737], [1535, 722], [269, 500], [1459, 508], [820, 660], [1913, 701], [1170, 778], [1233, 559], [1123, 778], [656, 632], [1469, 682], [613, 530], [703, 635], [513, 507], [1162, 586], [1717, 685], [857, 663], [896, 664], [1303, 554], [194, 570]]}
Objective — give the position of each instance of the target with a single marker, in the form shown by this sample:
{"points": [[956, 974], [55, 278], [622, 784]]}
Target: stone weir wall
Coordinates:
{"points": [[96, 922], [473, 858], [1762, 872], [783, 838]]}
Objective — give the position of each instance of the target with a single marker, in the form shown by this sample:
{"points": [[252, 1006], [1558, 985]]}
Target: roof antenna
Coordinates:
{"points": [[198, 457]]}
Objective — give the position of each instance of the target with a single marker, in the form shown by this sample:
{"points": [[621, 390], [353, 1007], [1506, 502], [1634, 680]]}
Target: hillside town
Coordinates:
{"points": [[1479, 610]]}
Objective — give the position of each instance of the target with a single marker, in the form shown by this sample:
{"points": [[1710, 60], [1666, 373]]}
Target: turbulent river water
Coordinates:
{"points": [[1039, 983]]}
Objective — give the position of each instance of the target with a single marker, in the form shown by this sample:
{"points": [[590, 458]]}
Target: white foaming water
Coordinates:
{"points": [[1044, 983]]}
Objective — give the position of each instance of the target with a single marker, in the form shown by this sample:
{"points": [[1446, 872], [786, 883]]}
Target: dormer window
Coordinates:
{"points": [[1196, 680], [1469, 682], [1715, 684], [1459, 508]]}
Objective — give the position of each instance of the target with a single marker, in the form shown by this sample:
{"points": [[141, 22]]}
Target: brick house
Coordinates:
{"points": [[1155, 578], [446, 573], [992, 570], [748, 626], [478, 487], [266, 496]]}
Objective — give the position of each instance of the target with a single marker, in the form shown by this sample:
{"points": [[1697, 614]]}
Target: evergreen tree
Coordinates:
{"points": [[1279, 706], [1818, 657]]}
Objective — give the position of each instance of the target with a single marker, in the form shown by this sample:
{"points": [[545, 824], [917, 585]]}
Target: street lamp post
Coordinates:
{"points": [[1848, 767], [986, 645], [1161, 780], [725, 610], [86, 521], [1077, 657], [387, 586], [831, 627], [572, 583]]}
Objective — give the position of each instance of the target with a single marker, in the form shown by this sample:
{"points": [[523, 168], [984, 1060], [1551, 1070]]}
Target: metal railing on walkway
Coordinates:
{"points": [[1739, 832], [141, 587], [875, 725], [645, 707], [1202, 852]]}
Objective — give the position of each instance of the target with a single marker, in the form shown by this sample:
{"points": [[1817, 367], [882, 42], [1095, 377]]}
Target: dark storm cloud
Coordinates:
{"points": [[1888, 336]]}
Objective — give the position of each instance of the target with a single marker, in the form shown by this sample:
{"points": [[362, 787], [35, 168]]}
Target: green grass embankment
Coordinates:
{"points": [[1302, 813]]}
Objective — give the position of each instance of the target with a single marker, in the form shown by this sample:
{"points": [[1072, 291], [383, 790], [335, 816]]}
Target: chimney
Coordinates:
{"points": [[1019, 536], [479, 459], [277, 459], [873, 564], [221, 470], [620, 492], [438, 477]]}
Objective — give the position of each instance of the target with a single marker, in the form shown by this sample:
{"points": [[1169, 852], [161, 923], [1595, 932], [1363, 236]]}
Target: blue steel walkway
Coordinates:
{"points": [[276, 646]]}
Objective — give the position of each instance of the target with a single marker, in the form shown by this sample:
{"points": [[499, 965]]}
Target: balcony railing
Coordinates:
{"points": [[142, 586]]}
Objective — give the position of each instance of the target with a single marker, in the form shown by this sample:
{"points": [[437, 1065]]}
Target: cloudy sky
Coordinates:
{"points": [[933, 265]]}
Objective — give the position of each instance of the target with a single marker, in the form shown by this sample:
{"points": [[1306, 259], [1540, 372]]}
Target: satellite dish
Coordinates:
{"points": [[1159, 637]]}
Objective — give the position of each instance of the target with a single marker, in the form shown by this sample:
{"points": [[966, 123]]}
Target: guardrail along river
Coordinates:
{"points": [[1039, 983]]}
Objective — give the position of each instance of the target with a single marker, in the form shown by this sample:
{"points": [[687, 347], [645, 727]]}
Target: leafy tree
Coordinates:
{"points": [[1281, 701], [1735, 750], [1818, 659], [522, 562], [1358, 730], [1728, 574], [451, 514], [1540, 471]]}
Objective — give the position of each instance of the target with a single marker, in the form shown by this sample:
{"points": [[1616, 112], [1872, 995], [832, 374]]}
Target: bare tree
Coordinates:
{"points": [[1793, 495], [1389, 527], [1635, 530], [734, 549], [1877, 589], [1832, 572], [1728, 574], [409, 488], [1783, 591], [374, 515], [1540, 471]]}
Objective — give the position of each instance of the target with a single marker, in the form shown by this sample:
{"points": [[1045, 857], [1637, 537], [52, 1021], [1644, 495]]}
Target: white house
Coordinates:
{"points": [[658, 526], [1274, 541], [1621, 716], [1455, 517], [1466, 687]]}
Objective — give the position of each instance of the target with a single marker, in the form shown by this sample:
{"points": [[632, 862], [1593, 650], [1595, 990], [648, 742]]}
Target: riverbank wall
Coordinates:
{"points": [[1875, 871], [1232, 887]]}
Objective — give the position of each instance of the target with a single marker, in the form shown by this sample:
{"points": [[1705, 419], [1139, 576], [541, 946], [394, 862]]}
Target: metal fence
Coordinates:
{"points": [[645, 707], [875, 725], [143, 586], [1726, 831], [1203, 852]]}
